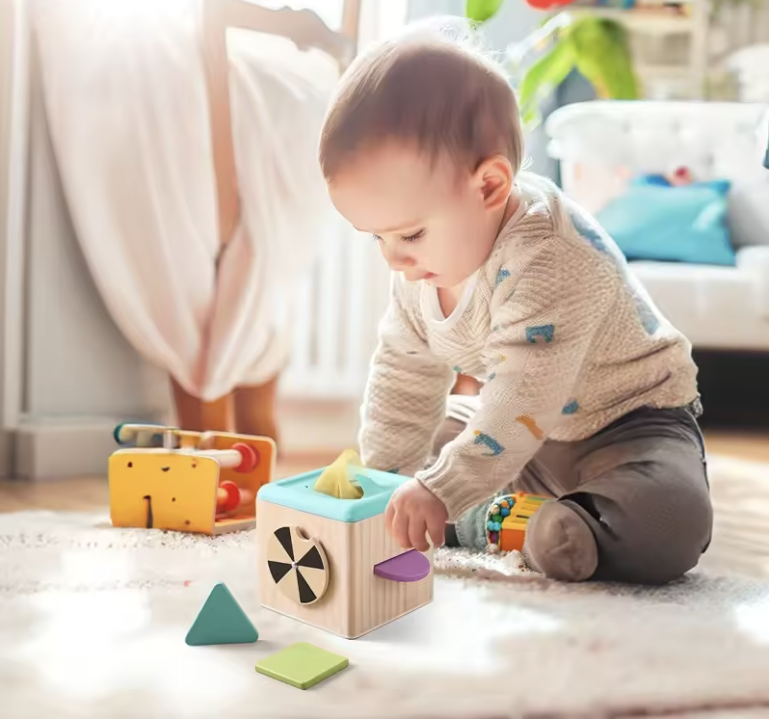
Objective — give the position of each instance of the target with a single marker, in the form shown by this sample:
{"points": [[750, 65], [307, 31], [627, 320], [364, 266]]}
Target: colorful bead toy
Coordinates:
{"points": [[508, 519]]}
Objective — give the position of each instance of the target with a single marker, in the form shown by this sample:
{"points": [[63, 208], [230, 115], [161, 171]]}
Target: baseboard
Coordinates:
{"points": [[6, 454], [49, 449]]}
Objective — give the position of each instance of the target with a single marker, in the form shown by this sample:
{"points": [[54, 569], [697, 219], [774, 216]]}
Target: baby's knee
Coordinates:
{"points": [[681, 546]]}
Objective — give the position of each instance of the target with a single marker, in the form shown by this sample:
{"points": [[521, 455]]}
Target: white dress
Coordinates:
{"points": [[126, 106]]}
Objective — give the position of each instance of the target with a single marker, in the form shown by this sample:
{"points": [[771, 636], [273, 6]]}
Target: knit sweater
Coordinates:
{"points": [[557, 328]]}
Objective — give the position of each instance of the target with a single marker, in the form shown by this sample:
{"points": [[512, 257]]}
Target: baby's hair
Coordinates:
{"points": [[431, 87]]}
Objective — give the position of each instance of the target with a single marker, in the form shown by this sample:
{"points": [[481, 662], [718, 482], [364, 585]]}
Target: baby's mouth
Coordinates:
{"points": [[413, 277]]}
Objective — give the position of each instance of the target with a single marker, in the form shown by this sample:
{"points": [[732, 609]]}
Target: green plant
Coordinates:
{"points": [[478, 11], [597, 47]]}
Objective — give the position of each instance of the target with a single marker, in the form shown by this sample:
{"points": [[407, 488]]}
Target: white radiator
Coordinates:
{"points": [[335, 317]]}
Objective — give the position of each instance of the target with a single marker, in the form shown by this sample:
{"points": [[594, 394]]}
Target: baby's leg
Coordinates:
{"points": [[633, 502]]}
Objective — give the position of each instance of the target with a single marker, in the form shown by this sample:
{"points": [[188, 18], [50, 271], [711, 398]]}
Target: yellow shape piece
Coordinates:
{"points": [[335, 479], [162, 489]]}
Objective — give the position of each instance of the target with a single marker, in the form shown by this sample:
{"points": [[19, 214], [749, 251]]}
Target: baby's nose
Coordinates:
{"points": [[403, 265], [399, 261]]}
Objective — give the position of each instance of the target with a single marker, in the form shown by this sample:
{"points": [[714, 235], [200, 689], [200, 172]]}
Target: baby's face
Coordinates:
{"points": [[431, 222]]}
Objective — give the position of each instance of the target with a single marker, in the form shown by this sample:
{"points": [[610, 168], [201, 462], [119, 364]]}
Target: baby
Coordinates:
{"points": [[589, 397]]}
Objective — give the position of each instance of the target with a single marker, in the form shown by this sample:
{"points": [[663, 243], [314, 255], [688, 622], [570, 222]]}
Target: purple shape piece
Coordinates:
{"points": [[410, 566]]}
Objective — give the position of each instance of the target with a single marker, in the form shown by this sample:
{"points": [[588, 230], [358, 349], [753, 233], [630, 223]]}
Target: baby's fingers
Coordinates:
{"points": [[390, 513], [417, 531], [436, 530], [400, 529]]}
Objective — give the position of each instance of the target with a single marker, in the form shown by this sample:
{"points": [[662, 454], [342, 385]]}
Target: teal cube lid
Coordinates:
{"points": [[297, 492]]}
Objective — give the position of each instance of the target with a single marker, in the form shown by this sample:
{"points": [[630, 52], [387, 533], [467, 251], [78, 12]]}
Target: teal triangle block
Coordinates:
{"points": [[221, 621]]}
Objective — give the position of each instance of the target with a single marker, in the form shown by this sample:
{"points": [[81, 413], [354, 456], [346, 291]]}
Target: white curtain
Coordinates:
{"points": [[127, 110]]}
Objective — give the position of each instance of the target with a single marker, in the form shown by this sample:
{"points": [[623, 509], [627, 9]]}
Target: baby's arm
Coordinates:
{"points": [[546, 312], [405, 397]]}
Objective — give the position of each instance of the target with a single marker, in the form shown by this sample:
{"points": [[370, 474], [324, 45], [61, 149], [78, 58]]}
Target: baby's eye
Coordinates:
{"points": [[414, 237], [376, 237]]}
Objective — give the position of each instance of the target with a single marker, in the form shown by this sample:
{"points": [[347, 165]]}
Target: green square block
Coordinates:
{"points": [[302, 665]]}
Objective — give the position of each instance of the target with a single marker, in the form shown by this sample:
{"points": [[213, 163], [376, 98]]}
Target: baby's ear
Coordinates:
{"points": [[495, 179]]}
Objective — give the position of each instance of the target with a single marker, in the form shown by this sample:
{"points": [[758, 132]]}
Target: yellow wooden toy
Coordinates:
{"points": [[326, 558], [187, 481]]}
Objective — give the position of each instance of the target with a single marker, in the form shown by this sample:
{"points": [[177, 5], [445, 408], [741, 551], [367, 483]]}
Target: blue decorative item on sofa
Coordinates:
{"points": [[653, 221]]}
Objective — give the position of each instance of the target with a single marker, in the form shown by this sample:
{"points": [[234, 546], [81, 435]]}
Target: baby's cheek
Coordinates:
{"points": [[464, 259]]}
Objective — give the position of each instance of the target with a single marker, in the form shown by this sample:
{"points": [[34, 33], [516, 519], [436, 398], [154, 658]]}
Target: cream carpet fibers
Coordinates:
{"points": [[92, 623]]}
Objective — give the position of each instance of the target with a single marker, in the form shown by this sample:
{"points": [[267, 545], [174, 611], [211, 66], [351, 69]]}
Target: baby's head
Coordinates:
{"points": [[419, 148]]}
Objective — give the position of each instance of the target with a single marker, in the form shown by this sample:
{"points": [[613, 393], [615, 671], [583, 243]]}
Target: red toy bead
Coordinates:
{"points": [[249, 458], [228, 496]]}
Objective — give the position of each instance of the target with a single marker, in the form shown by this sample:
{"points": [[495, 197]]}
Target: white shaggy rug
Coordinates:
{"points": [[93, 620]]}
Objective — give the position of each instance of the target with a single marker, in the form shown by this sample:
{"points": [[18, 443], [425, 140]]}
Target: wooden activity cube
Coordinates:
{"points": [[330, 562], [187, 481]]}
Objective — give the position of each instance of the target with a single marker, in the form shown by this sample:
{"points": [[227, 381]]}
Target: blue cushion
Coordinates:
{"points": [[652, 221], [653, 179]]}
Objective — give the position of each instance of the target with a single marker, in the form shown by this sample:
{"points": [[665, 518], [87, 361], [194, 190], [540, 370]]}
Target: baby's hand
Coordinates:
{"points": [[412, 511]]}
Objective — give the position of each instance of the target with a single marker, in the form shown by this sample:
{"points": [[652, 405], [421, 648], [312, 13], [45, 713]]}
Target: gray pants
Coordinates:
{"points": [[630, 504]]}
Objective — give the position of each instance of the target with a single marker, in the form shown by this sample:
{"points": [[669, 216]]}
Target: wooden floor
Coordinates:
{"points": [[742, 444], [90, 493]]}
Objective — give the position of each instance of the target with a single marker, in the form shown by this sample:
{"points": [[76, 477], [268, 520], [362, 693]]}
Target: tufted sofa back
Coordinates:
{"points": [[600, 144]]}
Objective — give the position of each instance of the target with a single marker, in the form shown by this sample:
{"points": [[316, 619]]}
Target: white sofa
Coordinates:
{"points": [[600, 143]]}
